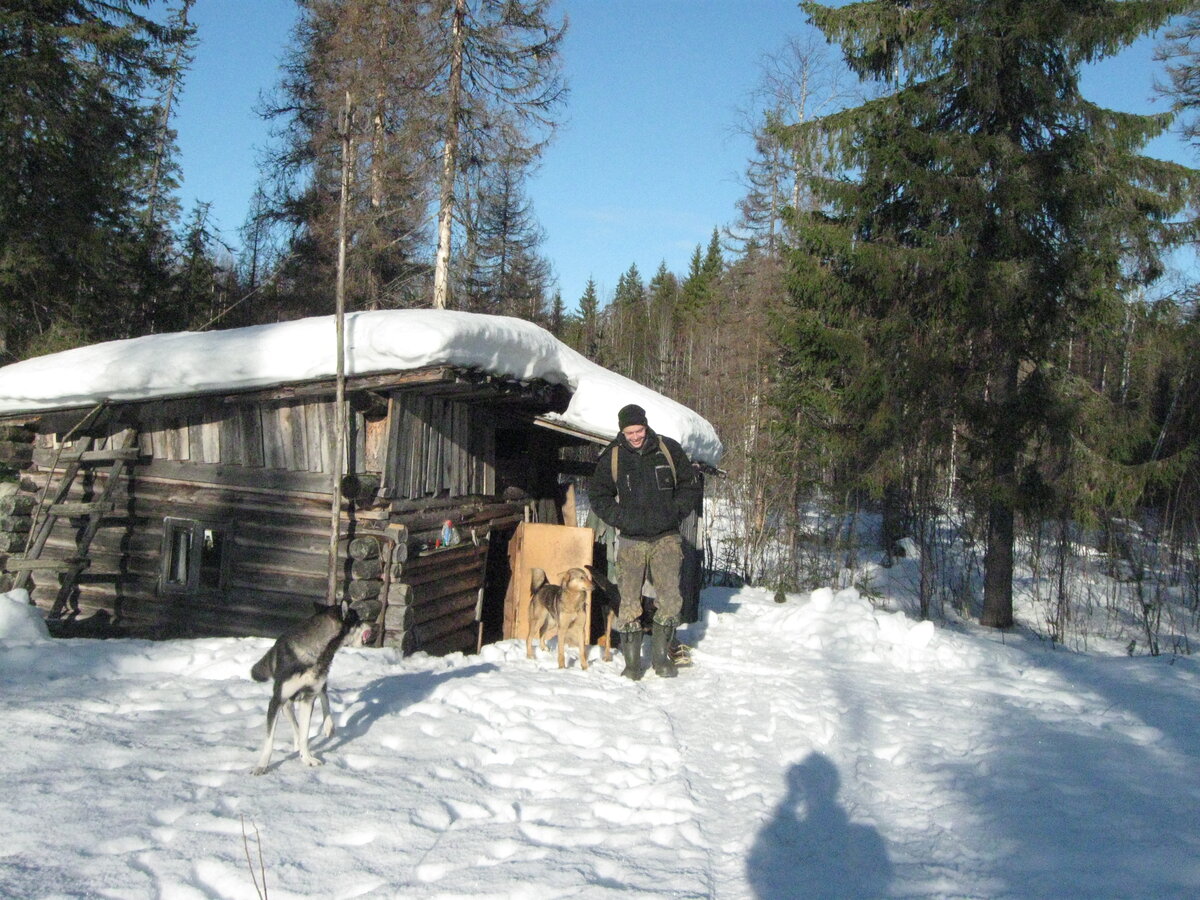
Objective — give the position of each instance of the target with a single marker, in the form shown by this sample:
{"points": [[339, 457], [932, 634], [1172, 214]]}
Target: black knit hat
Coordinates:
{"points": [[631, 415]]}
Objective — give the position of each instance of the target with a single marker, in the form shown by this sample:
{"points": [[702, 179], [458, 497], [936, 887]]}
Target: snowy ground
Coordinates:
{"points": [[818, 748]]}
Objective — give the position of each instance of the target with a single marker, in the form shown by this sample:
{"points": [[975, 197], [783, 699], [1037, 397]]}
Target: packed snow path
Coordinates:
{"points": [[817, 748]]}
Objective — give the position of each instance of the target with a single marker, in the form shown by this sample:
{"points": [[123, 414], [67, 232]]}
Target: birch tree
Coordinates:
{"points": [[800, 81], [500, 83]]}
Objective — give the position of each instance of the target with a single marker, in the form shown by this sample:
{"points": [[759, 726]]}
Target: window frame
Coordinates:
{"points": [[173, 579]]}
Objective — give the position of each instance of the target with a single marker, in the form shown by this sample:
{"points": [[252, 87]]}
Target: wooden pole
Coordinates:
{"points": [[339, 439]]}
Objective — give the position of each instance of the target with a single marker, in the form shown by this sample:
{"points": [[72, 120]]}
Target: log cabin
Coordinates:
{"points": [[184, 485]]}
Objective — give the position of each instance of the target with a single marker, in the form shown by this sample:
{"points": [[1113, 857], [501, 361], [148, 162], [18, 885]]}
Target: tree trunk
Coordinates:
{"points": [[998, 567], [379, 154], [441, 272], [892, 522], [998, 558]]}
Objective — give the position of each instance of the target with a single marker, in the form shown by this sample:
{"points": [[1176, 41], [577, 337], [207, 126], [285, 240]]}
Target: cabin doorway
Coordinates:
{"points": [[497, 574]]}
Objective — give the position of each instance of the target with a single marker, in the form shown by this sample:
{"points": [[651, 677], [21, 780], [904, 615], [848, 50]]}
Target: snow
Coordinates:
{"points": [[171, 365], [820, 747]]}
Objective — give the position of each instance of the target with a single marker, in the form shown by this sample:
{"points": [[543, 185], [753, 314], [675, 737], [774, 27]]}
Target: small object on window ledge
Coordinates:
{"points": [[449, 536]]}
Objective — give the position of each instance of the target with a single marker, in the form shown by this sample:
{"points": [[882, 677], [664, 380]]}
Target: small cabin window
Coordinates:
{"points": [[178, 554], [194, 555]]}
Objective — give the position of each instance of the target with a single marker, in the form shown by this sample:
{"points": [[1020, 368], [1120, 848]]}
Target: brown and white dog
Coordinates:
{"points": [[562, 609]]}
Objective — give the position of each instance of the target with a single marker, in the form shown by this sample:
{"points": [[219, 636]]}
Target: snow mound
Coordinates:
{"points": [[844, 621], [19, 621]]}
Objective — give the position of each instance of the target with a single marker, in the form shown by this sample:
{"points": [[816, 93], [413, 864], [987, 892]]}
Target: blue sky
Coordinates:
{"points": [[647, 161]]}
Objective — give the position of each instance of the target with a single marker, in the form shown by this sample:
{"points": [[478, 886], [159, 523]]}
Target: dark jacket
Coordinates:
{"points": [[646, 501]]}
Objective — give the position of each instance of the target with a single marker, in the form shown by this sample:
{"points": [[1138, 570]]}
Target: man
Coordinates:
{"points": [[644, 486]]}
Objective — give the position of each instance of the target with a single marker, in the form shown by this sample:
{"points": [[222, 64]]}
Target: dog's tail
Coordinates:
{"points": [[264, 669], [539, 579]]}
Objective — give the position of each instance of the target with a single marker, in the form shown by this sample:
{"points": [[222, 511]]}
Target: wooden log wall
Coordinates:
{"points": [[283, 434], [254, 471], [439, 446], [278, 545], [289, 435], [16, 500], [436, 600], [276, 550], [424, 518]]}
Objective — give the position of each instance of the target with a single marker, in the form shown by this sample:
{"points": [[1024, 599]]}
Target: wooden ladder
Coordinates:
{"points": [[78, 459]]}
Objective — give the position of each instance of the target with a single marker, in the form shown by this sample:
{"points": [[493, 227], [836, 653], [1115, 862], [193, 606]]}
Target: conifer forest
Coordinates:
{"points": [[944, 304]]}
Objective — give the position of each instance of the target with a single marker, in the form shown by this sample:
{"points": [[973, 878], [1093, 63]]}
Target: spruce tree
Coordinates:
{"points": [[557, 322], [1179, 420], [696, 289], [662, 298], [627, 318], [82, 153], [589, 322], [994, 213], [504, 272], [197, 301]]}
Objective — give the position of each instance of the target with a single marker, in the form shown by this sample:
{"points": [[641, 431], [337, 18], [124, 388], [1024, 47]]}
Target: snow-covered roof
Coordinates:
{"points": [[186, 363]]}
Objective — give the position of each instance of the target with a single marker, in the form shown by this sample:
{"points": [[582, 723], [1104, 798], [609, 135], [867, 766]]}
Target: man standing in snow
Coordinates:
{"points": [[644, 486]]}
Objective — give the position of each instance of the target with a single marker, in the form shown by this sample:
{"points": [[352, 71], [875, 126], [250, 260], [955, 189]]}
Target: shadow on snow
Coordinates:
{"points": [[390, 694], [810, 848]]}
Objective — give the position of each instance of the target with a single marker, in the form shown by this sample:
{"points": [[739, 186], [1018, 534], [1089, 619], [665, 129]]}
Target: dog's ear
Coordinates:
{"points": [[538, 579], [599, 579], [350, 613]]}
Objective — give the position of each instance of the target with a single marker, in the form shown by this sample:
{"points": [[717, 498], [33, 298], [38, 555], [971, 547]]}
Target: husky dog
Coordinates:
{"points": [[561, 608], [299, 663]]}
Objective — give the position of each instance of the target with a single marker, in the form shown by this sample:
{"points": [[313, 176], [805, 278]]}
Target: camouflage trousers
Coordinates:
{"points": [[662, 559]]}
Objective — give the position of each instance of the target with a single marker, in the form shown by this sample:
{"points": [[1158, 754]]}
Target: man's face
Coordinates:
{"points": [[635, 436]]}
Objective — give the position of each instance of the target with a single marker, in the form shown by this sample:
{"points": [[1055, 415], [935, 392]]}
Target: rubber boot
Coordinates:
{"points": [[660, 646], [631, 649]]}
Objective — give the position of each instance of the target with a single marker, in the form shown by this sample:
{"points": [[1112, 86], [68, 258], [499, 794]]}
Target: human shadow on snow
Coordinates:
{"points": [[810, 848]]}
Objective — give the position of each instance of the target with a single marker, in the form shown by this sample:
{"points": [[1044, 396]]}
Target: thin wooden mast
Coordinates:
{"points": [[339, 440]]}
